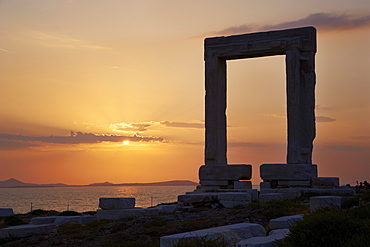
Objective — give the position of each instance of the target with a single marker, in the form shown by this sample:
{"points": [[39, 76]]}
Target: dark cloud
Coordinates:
{"points": [[321, 107], [361, 138], [323, 119], [183, 125], [322, 21], [349, 148], [326, 21], [14, 145], [74, 138], [244, 145], [133, 126]]}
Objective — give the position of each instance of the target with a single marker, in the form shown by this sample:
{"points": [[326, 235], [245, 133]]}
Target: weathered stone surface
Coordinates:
{"points": [[288, 193], [294, 183], [235, 196], [339, 190], [288, 172], [285, 222], [166, 208], [267, 241], [60, 220], [299, 46], [271, 196], [116, 203], [279, 233], [318, 202], [231, 233], [43, 220], [225, 172], [327, 182], [231, 204], [28, 230], [242, 185], [214, 182], [265, 185], [4, 212], [194, 198], [121, 213]]}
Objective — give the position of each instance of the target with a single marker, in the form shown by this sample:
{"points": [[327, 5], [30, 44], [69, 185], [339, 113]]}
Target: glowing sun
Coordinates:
{"points": [[126, 142]]}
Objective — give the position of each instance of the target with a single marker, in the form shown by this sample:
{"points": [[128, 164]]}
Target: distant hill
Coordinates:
{"points": [[14, 183], [166, 183]]}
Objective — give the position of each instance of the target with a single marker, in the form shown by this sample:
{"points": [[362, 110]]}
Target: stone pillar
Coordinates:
{"points": [[215, 112], [300, 72]]}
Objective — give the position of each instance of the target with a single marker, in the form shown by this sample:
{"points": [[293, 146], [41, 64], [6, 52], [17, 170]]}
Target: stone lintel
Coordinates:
{"points": [[261, 44], [294, 172], [225, 172]]}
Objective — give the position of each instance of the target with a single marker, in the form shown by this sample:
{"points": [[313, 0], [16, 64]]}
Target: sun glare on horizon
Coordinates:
{"points": [[126, 142]]}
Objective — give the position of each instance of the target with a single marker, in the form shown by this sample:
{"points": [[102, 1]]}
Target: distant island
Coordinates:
{"points": [[14, 183]]}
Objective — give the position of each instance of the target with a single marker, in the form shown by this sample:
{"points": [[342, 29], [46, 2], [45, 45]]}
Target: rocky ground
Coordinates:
{"points": [[146, 231]]}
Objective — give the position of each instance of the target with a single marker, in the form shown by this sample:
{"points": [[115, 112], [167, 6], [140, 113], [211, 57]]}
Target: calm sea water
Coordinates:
{"points": [[83, 199]]}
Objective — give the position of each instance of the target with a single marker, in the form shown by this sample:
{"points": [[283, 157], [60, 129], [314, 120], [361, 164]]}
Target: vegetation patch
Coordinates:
{"points": [[326, 227]]}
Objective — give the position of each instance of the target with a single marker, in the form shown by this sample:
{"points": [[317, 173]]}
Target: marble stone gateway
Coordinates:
{"points": [[280, 181], [299, 47]]}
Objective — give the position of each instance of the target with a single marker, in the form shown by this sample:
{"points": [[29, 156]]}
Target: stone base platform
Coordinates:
{"points": [[226, 198], [122, 213], [213, 177], [291, 193]]}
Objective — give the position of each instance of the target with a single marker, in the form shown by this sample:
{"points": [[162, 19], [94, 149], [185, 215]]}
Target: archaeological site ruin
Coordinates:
{"points": [[280, 181]]}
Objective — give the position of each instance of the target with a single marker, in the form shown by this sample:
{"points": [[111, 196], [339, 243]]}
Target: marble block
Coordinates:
{"points": [[116, 203]]}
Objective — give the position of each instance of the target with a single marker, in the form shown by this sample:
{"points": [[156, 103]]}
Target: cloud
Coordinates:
{"points": [[279, 115], [322, 21], [322, 107], [360, 138], [14, 145], [323, 119], [19, 141], [320, 119], [58, 40], [136, 127], [349, 148], [183, 125]]}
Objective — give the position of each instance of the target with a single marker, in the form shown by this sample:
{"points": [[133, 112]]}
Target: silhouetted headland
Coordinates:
{"points": [[14, 183]]}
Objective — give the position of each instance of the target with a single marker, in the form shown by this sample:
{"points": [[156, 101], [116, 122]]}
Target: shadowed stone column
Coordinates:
{"points": [[215, 99], [300, 74]]}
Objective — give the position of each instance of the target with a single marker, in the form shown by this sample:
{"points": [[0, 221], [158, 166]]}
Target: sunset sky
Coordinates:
{"points": [[113, 90]]}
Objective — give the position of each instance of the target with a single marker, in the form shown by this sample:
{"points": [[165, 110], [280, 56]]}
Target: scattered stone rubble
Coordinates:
{"points": [[242, 234], [4, 212], [116, 208], [43, 226]]}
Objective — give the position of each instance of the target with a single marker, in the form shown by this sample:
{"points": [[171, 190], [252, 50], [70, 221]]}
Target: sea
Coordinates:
{"points": [[85, 198]]}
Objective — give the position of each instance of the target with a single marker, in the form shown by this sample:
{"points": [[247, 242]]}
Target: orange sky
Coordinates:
{"points": [[94, 91]]}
